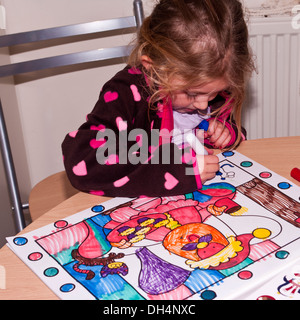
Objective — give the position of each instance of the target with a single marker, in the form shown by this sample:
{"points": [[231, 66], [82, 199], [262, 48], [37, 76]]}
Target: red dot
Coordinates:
{"points": [[265, 174], [35, 256], [245, 275], [60, 224], [265, 298]]}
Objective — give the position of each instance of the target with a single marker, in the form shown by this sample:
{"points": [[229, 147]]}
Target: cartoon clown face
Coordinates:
{"points": [[195, 241], [207, 248]]}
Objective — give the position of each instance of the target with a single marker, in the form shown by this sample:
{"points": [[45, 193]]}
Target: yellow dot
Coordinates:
{"points": [[202, 245], [115, 265], [261, 233], [147, 222], [127, 232], [143, 231], [137, 238]]}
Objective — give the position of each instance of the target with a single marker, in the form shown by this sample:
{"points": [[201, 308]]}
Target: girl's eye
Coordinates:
{"points": [[191, 95]]}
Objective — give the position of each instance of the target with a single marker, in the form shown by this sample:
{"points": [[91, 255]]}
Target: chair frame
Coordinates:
{"points": [[134, 21]]}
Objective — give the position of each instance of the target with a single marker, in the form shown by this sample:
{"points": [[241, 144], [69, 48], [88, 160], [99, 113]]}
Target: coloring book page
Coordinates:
{"points": [[284, 286], [226, 241]]}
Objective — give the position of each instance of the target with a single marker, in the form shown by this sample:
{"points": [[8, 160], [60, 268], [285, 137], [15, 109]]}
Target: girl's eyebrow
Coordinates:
{"points": [[190, 92], [195, 93]]}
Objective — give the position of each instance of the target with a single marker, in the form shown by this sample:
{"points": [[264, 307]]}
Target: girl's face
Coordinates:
{"points": [[195, 99]]}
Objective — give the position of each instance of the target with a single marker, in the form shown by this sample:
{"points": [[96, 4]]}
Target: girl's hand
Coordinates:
{"points": [[219, 135], [208, 166]]}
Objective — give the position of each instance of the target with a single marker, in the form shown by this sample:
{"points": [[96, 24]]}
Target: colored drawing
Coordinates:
{"points": [[285, 285], [233, 235]]}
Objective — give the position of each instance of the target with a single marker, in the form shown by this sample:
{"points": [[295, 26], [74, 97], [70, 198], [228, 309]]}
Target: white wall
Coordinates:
{"points": [[40, 113]]}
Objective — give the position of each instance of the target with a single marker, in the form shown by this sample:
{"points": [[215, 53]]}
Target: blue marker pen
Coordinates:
{"points": [[204, 124], [194, 142]]}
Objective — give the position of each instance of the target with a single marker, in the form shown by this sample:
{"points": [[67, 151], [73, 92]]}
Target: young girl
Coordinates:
{"points": [[190, 64]]}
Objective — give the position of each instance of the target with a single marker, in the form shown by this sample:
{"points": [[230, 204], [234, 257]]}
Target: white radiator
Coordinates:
{"points": [[272, 107]]}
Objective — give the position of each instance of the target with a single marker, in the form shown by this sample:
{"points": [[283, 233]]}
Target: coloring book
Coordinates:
{"points": [[236, 237]]}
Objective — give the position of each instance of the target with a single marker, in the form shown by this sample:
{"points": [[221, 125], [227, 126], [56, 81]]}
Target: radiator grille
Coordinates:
{"points": [[272, 106]]}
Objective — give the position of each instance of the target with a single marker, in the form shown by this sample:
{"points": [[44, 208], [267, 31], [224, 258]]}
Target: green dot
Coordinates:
{"points": [[246, 164], [282, 254], [51, 272]]}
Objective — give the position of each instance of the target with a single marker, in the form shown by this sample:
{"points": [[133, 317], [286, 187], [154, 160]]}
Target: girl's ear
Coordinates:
{"points": [[146, 62]]}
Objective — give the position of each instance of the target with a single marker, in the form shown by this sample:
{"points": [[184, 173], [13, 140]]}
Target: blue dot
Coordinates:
{"points": [[284, 185], [20, 241], [282, 254], [68, 287], [208, 295], [98, 208], [228, 154]]}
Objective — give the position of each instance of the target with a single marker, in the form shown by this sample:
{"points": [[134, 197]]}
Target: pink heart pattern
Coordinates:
{"points": [[122, 125], [112, 159], [110, 96], [135, 92], [187, 157], [139, 140], [171, 181], [80, 169], [97, 193], [134, 71], [121, 182], [152, 149], [73, 134], [101, 127], [95, 144]]}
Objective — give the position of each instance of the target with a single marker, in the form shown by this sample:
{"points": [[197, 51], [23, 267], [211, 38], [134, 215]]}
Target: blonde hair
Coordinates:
{"points": [[197, 41]]}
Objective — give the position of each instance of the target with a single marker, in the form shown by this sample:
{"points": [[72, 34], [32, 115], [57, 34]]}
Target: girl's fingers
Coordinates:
{"points": [[219, 135], [208, 167], [226, 142], [209, 151]]}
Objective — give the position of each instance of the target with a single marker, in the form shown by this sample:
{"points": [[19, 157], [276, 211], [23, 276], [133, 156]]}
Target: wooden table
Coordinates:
{"points": [[278, 154]]}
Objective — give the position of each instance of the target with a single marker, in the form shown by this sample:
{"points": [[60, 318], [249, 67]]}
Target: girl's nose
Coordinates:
{"points": [[201, 105]]}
